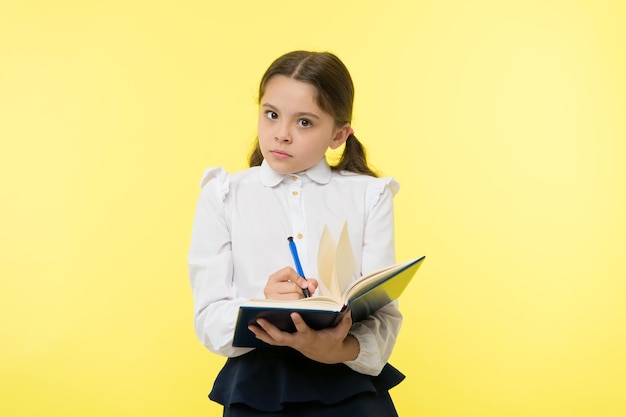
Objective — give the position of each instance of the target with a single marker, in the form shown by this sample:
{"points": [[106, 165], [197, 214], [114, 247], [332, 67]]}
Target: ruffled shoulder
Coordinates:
{"points": [[377, 187], [219, 177]]}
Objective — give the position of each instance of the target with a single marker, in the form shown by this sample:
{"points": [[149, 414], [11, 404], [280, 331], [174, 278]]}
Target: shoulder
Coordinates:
{"points": [[367, 181], [217, 180], [375, 189]]}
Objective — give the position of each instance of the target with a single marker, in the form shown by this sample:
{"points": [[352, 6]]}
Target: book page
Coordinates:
{"points": [[373, 278], [312, 303], [325, 261], [345, 265]]}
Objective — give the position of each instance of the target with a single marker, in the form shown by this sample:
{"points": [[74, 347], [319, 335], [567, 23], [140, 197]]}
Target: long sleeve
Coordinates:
{"points": [[211, 269], [377, 334]]}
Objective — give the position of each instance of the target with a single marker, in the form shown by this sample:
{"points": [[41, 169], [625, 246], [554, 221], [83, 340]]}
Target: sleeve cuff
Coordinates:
{"points": [[368, 360]]}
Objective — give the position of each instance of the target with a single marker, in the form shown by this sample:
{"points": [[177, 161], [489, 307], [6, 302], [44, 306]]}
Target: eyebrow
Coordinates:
{"points": [[299, 114]]}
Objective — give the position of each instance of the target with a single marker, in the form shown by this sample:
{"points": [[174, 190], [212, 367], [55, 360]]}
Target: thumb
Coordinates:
{"points": [[302, 282]]}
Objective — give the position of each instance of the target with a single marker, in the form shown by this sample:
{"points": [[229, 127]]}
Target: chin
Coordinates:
{"points": [[279, 167]]}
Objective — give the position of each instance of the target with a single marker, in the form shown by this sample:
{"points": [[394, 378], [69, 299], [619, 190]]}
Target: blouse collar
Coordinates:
{"points": [[320, 173]]}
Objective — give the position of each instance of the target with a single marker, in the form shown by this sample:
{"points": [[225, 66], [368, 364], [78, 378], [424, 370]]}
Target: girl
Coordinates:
{"points": [[239, 250]]}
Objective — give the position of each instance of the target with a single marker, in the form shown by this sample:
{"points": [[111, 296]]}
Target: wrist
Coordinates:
{"points": [[351, 348]]}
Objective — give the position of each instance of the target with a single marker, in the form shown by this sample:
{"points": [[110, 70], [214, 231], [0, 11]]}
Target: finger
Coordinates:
{"points": [[313, 285], [302, 282], [283, 275], [299, 322], [310, 284], [272, 334], [260, 334], [279, 288], [345, 323], [290, 290]]}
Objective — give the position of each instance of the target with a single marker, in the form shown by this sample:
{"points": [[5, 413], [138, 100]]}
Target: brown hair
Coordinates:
{"points": [[335, 95]]}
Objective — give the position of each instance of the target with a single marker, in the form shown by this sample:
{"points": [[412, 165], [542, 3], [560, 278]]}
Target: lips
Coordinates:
{"points": [[280, 154]]}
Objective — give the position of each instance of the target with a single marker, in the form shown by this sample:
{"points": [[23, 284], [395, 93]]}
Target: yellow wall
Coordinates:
{"points": [[503, 120]]}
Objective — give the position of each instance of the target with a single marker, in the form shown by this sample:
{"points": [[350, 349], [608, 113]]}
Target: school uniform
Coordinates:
{"points": [[239, 239]]}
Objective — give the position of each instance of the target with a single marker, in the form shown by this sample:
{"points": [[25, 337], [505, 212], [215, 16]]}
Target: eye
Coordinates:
{"points": [[304, 123], [272, 115]]}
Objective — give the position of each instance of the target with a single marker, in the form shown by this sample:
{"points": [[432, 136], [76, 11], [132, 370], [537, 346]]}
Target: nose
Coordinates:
{"points": [[283, 134]]}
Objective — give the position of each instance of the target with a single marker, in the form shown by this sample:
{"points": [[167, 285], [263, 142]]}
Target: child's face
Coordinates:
{"points": [[294, 133]]}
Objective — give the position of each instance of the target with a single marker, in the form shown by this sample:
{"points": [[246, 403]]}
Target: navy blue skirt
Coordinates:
{"points": [[283, 382]]}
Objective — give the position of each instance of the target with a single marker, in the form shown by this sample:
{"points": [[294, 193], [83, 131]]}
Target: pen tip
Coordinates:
{"points": [[290, 238]]}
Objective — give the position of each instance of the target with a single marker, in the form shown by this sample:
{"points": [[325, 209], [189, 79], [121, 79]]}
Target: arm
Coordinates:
{"points": [[211, 269], [377, 334]]}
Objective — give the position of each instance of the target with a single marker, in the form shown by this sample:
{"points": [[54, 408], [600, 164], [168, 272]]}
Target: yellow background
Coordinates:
{"points": [[503, 120]]}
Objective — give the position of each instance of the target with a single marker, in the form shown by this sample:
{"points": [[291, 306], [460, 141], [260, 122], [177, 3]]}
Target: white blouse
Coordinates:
{"points": [[239, 239]]}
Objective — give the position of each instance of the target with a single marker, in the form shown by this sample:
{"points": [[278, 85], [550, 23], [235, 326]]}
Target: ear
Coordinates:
{"points": [[341, 135]]}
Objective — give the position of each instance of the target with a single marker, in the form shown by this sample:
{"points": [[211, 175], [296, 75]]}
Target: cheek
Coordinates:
{"points": [[262, 130], [314, 148], [260, 124]]}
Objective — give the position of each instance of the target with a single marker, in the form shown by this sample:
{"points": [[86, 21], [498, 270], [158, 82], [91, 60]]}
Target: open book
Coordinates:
{"points": [[337, 293]]}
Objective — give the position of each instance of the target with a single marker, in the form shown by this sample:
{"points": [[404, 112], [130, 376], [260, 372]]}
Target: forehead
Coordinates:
{"points": [[282, 90]]}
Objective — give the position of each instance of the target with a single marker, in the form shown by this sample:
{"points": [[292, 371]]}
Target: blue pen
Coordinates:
{"points": [[296, 260]]}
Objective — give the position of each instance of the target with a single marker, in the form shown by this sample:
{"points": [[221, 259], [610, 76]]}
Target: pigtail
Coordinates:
{"points": [[256, 157], [354, 158]]}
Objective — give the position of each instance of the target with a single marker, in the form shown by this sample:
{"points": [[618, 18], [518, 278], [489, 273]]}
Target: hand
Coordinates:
{"points": [[332, 345], [286, 284]]}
